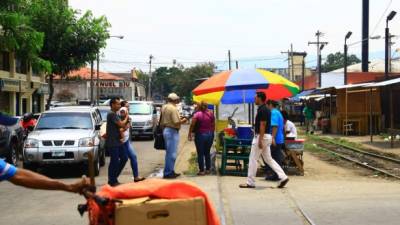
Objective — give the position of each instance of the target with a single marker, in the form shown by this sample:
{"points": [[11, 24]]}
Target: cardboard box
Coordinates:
{"points": [[161, 212]]}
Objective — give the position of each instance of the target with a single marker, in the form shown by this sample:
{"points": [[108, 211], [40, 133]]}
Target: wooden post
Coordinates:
{"points": [[346, 113], [370, 116], [391, 108]]}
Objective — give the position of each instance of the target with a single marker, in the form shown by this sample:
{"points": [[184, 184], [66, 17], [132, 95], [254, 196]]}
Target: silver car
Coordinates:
{"points": [[65, 135]]}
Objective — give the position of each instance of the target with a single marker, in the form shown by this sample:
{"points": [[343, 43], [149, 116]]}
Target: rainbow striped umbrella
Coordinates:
{"points": [[240, 86]]}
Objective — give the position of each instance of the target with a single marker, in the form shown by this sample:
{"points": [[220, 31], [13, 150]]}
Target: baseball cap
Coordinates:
{"points": [[173, 96]]}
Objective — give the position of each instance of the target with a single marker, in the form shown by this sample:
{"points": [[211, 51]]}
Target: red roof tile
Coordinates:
{"points": [[84, 74]]}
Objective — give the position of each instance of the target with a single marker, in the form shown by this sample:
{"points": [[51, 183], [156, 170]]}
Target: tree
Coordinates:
{"points": [[336, 61], [70, 42], [17, 34], [179, 79]]}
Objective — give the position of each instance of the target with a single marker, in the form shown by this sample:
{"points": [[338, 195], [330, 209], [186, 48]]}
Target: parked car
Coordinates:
{"points": [[65, 135], [11, 142], [143, 116], [103, 112]]}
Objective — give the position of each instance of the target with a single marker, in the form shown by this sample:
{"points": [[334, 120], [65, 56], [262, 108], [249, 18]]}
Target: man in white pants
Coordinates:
{"points": [[261, 145]]}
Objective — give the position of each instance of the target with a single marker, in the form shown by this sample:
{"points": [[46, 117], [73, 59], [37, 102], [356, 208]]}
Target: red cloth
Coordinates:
{"points": [[153, 188]]}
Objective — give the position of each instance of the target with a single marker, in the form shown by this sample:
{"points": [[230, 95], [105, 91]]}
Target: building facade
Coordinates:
{"points": [[21, 89], [77, 86]]}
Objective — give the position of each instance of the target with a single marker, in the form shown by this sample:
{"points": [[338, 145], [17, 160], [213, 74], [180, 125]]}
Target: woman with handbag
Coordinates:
{"points": [[203, 127]]}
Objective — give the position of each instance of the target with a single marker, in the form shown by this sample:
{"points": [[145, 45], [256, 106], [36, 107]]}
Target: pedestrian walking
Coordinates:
{"points": [[128, 148], [278, 139], [309, 116], [261, 145], [203, 127], [171, 122], [114, 146]]}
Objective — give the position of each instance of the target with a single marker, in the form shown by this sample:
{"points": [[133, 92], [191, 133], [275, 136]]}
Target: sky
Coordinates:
{"points": [[255, 31]]}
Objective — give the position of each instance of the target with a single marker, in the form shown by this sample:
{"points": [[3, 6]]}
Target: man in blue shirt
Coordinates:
{"points": [[278, 140]]}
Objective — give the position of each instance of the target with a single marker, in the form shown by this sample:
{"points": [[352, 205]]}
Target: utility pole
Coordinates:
{"points": [[291, 61], [288, 60], [229, 59], [149, 86], [320, 45], [303, 72], [365, 35], [91, 83]]}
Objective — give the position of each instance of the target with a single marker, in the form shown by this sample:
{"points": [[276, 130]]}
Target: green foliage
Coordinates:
{"points": [[179, 79], [18, 35], [336, 61]]}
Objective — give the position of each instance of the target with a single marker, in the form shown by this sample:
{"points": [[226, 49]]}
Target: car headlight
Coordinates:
{"points": [[86, 142], [149, 123], [31, 143]]}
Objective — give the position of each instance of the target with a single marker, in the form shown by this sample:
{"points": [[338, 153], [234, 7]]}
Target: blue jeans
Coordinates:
{"points": [[203, 142], [131, 154], [171, 137], [118, 160]]}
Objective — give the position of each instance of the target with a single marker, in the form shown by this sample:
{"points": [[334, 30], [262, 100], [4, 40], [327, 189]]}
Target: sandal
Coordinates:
{"points": [[246, 186]]}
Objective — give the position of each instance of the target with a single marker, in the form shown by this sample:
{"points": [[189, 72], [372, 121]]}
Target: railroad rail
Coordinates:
{"points": [[373, 161]]}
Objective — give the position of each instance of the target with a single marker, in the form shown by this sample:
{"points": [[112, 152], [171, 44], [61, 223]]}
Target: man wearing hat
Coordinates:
{"points": [[171, 122]]}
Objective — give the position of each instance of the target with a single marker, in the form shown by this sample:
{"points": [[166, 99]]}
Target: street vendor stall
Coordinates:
{"points": [[240, 87]]}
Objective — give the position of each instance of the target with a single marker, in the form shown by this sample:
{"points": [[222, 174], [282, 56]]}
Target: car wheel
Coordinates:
{"points": [[13, 154], [151, 137]]}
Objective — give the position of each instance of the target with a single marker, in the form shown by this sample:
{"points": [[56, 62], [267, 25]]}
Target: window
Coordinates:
{"points": [[140, 109], [4, 61], [65, 120], [21, 66]]}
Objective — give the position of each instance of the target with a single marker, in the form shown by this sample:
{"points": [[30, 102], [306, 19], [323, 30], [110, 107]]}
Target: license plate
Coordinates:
{"points": [[58, 154], [135, 132]]}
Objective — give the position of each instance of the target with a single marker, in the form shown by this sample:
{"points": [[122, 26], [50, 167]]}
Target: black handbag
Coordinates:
{"points": [[159, 142]]}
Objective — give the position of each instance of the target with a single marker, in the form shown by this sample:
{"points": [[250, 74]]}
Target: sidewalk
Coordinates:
{"points": [[327, 194]]}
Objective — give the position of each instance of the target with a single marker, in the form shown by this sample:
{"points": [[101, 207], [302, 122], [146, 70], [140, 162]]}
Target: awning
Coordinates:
{"points": [[299, 96], [384, 83]]}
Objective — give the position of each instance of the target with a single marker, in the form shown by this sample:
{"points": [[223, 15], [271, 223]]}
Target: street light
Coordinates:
{"points": [[387, 36], [348, 35], [98, 68]]}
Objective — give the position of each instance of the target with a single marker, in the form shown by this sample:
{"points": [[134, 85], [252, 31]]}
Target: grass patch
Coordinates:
{"points": [[193, 169]]}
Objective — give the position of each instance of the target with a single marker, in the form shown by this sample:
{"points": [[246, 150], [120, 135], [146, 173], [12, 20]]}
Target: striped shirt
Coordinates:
{"points": [[6, 170]]}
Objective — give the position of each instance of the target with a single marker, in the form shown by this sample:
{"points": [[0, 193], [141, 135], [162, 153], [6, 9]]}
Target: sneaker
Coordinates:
{"points": [[171, 176], [201, 173], [283, 183]]}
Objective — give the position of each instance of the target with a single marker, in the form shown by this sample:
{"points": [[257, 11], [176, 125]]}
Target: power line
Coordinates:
{"points": [[383, 16]]}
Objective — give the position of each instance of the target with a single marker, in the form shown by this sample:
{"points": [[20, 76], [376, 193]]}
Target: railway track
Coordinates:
{"points": [[373, 161]]}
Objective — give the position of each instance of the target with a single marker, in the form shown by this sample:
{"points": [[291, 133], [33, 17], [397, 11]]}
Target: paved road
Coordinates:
{"points": [[31, 207]]}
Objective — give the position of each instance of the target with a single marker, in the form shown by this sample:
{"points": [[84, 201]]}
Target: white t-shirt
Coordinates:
{"points": [[291, 128]]}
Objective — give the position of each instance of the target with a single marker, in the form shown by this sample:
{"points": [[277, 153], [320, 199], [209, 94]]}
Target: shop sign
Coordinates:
{"points": [[10, 85], [114, 84]]}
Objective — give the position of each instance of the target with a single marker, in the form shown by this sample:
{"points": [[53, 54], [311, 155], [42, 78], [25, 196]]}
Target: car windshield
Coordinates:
{"points": [[65, 120], [104, 113], [140, 109]]}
